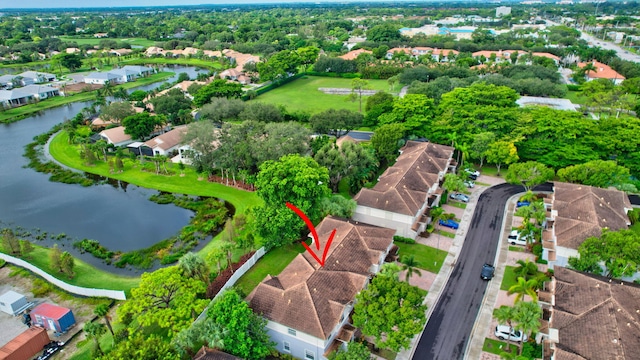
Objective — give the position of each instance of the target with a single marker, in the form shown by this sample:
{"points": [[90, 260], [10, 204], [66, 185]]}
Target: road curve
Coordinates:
{"points": [[452, 319]]}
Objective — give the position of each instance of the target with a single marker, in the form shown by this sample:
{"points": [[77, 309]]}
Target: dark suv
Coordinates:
{"points": [[487, 272]]}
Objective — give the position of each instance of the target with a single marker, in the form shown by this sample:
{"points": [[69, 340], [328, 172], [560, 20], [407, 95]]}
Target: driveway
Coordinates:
{"points": [[453, 317]]}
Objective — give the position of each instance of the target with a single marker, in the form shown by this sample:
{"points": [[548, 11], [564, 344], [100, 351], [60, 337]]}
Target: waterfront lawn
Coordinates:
{"points": [[18, 113], [272, 263], [86, 275], [191, 183], [430, 259], [303, 94]]}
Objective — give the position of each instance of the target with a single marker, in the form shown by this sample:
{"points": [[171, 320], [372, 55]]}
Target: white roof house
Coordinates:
{"points": [[38, 77], [22, 96], [116, 136], [139, 70], [13, 303], [101, 78], [167, 142], [124, 75]]}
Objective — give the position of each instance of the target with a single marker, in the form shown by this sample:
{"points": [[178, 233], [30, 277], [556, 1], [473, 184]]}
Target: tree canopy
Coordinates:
{"points": [[528, 174], [618, 251], [141, 125], [219, 88]]}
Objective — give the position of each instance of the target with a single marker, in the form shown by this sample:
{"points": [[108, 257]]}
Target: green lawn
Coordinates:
{"points": [[303, 94], [509, 278], [95, 41], [575, 97], [272, 263], [209, 64], [431, 259], [446, 233], [498, 347], [516, 248], [458, 204], [86, 275]]}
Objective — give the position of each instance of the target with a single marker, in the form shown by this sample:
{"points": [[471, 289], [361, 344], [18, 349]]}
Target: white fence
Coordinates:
{"points": [[235, 277], [112, 294]]}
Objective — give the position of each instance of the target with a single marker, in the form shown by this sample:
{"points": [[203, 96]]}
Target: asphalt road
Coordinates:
{"points": [[452, 319], [608, 45]]}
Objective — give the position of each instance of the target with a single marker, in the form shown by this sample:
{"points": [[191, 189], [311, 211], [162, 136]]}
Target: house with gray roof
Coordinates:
{"points": [[141, 71], [37, 77], [24, 95], [406, 191], [124, 75], [308, 307], [577, 212], [101, 78]]}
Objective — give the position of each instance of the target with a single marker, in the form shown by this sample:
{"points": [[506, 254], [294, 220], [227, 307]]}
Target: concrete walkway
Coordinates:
{"points": [[454, 248]]}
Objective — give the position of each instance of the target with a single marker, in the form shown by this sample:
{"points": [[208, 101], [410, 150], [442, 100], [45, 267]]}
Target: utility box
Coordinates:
{"points": [[52, 317], [13, 303]]}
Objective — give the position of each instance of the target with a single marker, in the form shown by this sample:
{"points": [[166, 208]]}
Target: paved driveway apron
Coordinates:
{"points": [[451, 322]]}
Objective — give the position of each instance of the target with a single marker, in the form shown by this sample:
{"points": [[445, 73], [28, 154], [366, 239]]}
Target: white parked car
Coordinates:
{"points": [[516, 238], [502, 333]]}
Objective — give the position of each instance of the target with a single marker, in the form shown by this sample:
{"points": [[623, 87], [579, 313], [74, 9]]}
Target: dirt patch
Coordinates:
{"points": [[230, 182], [23, 282], [216, 285], [81, 87]]}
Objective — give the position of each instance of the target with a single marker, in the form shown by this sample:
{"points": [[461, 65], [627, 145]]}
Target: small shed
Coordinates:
{"points": [[52, 317], [26, 345], [13, 303]]}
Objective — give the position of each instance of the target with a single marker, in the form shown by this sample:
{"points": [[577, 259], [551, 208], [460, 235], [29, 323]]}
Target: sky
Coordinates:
{"points": [[48, 4]]}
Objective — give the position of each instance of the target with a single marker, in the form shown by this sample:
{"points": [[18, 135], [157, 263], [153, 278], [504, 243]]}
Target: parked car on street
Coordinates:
{"points": [[469, 184], [449, 223], [503, 332], [459, 197], [487, 272]]}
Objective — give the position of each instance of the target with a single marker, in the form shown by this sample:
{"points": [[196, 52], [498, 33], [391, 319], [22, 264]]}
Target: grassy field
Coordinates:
{"points": [[431, 259], [272, 263], [86, 275], [509, 278], [303, 94], [95, 41], [575, 97]]}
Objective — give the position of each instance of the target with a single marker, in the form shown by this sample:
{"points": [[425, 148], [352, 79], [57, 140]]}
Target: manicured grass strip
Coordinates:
{"points": [[482, 184], [86, 275], [303, 94], [457, 204], [209, 64], [516, 248], [272, 263], [509, 278], [498, 347], [190, 184], [431, 259], [446, 233], [95, 41]]}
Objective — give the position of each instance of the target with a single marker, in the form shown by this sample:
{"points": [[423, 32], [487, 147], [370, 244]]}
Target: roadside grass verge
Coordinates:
{"points": [[85, 274], [498, 347], [431, 259], [516, 248], [446, 233], [509, 278], [303, 94], [457, 204], [272, 263]]}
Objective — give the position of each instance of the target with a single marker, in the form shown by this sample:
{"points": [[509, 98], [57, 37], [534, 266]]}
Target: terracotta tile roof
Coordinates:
{"points": [[583, 211], [211, 354], [351, 55], [501, 54], [595, 318], [400, 50], [603, 71], [312, 299], [547, 55], [444, 52], [403, 187]]}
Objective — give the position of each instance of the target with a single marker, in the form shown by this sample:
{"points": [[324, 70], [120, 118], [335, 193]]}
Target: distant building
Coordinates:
{"points": [[100, 35], [13, 303], [502, 11], [52, 317], [602, 71]]}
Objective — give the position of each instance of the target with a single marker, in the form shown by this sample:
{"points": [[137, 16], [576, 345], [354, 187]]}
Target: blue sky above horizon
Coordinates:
{"points": [[52, 4]]}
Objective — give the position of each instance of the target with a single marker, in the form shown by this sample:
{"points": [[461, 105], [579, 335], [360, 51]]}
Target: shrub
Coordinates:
{"points": [[573, 87], [41, 288], [402, 239], [537, 250], [2, 263]]}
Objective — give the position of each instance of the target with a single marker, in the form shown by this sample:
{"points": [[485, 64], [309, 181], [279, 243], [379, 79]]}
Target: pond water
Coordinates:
{"points": [[120, 217]]}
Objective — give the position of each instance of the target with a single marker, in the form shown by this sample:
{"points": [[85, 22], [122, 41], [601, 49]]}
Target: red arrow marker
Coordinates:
{"points": [[314, 233]]}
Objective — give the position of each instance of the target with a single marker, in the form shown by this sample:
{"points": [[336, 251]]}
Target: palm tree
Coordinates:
{"points": [[410, 264], [525, 287], [505, 315], [527, 316], [526, 269], [193, 266], [95, 330], [103, 311]]}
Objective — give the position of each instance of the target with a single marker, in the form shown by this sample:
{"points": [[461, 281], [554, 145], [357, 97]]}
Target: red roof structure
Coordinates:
{"points": [[50, 310]]}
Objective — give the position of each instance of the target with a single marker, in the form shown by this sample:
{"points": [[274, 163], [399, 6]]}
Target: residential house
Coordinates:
{"points": [[392, 52], [499, 56], [308, 307], [590, 317], [24, 95], [102, 78], [72, 50], [154, 51], [443, 55], [602, 71], [576, 212], [100, 35], [36, 77], [123, 75], [120, 52], [420, 51], [6, 81], [116, 136], [555, 59], [212, 354], [141, 71], [353, 54], [166, 143], [406, 191]]}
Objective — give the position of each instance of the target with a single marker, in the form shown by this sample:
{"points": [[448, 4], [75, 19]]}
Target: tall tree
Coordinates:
{"points": [[193, 266], [141, 125], [386, 142], [55, 258], [335, 122], [67, 264], [502, 152], [391, 310], [102, 310], [116, 111], [528, 174], [10, 242], [505, 315], [217, 89], [527, 316], [95, 330], [204, 332], [348, 160], [26, 248], [616, 250], [358, 86], [246, 335], [599, 173], [525, 287]]}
